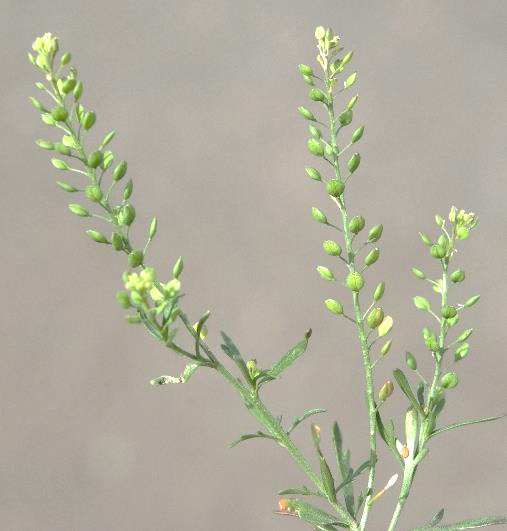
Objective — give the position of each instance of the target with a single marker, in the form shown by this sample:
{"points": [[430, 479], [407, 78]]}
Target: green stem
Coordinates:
{"points": [[408, 477]]}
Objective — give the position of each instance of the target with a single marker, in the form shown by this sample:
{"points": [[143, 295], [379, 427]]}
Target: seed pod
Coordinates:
{"points": [[379, 291], [66, 187], [418, 273], [345, 117], [355, 281], [79, 210], [439, 220], [317, 95], [386, 391], [315, 132], [334, 306], [332, 248], [357, 134], [78, 90], [318, 215], [385, 348], [411, 361], [449, 380], [385, 326], [353, 162], [135, 258], [356, 224], [59, 164], [65, 58], [306, 113], [458, 276], [59, 113], [313, 173], [88, 120], [153, 228], [375, 317], [437, 251], [133, 319], [352, 102], [123, 299], [127, 192], [128, 214], [63, 150], [315, 147], [422, 303], [93, 193], [335, 187], [38, 105], [372, 257], [461, 352], [95, 159], [97, 236], [68, 85], [117, 241], [425, 239], [325, 273], [329, 150], [465, 335], [471, 301], [375, 233], [350, 80], [45, 144], [47, 119], [305, 70], [309, 80], [178, 267], [448, 312]]}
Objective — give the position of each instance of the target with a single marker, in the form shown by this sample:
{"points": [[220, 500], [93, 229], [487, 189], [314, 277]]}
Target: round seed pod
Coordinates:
{"points": [[309, 80], [418, 273], [45, 144], [123, 299], [62, 149], [354, 162], [117, 241], [306, 114], [356, 224], [375, 233], [335, 187], [88, 120], [313, 173], [135, 258], [305, 70], [385, 348], [375, 317], [345, 117], [93, 193], [65, 58], [120, 170], [386, 391], [411, 361], [462, 233], [59, 113], [78, 90], [60, 164], [372, 257], [315, 132], [315, 147], [355, 281], [128, 214], [79, 210], [448, 312], [317, 95], [458, 276], [437, 251], [95, 159], [379, 291], [96, 236], [127, 192], [68, 85], [449, 380], [357, 134], [332, 248], [318, 215], [325, 273], [334, 306]]}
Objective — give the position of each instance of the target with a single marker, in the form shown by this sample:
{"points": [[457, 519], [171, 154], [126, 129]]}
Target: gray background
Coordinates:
{"points": [[203, 96]]}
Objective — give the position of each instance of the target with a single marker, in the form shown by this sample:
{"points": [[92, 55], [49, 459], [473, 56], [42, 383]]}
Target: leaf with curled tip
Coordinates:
{"points": [[466, 524]]}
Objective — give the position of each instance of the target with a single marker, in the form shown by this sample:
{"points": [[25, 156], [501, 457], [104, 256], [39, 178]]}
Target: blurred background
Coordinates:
{"points": [[203, 96]]}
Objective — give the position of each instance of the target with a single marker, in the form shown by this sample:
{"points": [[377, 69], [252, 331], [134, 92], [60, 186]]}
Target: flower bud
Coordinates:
{"points": [[353, 162], [123, 299], [350, 80], [133, 319], [94, 159], [448, 312], [313, 173], [449, 380], [352, 102], [355, 281], [38, 105], [317, 95], [385, 326], [465, 335], [458, 276], [375, 317], [332, 248], [117, 241], [153, 229], [63, 150], [335, 187], [375, 233], [315, 132], [318, 215], [334, 306], [357, 134], [59, 113], [45, 144], [47, 119], [178, 267], [306, 113], [439, 220], [309, 80], [127, 215], [345, 117], [422, 303], [425, 239], [320, 32], [418, 273], [315, 147], [65, 58], [411, 361], [385, 348], [120, 170], [79, 210], [78, 90], [93, 193], [88, 120], [59, 164], [443, 241], [461, 352], [372, 257], [471, 301], [379, 291], [305, 70], [66, 187], [462, 233], [68, 85], [325, 273], [437, 251], [386, 391], [135, 258], [127, 192], [356, 224], [97, 236]]}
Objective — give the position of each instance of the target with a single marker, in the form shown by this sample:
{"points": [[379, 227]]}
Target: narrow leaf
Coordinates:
{"points": [[353, 475], [232, 351], [466, 524], [246, 437], [327, 479], [436, 519], [343, 464], [303, 491], [405, 387], [198, 331], [303, 417], [312, 514], [466, 423], [290, 357]]}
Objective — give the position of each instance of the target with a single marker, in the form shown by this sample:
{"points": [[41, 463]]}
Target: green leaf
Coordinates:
{"points": [[311, 514], [466, 423], [436, 519], [303, 417], [422, 303], [232, 351], [303, 491], [405, 387], [246, 437], [198, 330], [343, 464], [466, 524], [387, 435], [364, 466], [327, 479], [290, 357]]}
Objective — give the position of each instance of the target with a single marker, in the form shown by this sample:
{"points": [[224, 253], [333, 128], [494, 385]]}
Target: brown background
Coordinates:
{"points": [[203, 96]]}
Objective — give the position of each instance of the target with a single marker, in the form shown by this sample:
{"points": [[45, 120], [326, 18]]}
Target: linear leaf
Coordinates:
{"points": [[343, 464], [302, 491], [232, 351], [387, 435], [437, 518], [466, 524], [303, 417], [198, 330], [312, 514], [353, 475], [248, 436], [466, 423], [405, 387], [290, 357]]}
